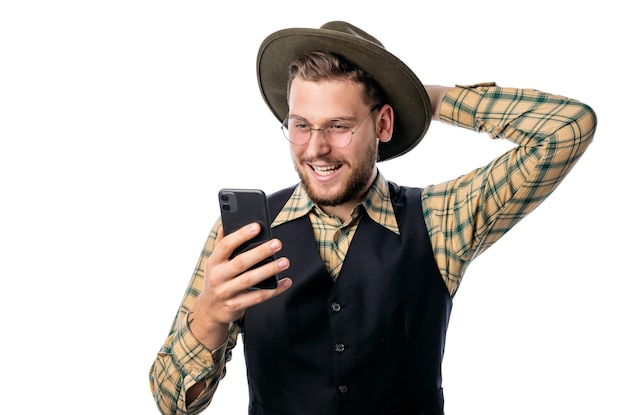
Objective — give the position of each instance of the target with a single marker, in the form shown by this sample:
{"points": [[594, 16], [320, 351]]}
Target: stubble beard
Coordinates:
{"points": [[354, 186]]}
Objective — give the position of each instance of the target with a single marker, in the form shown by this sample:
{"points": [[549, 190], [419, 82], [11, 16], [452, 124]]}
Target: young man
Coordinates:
{"points": [[357, 323]]}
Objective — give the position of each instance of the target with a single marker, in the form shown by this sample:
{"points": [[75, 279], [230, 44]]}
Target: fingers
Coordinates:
{"points": [[253, 257], [244, 270], [226, 284], [252, 276], [225, 245], [235, 295], [250, 298]]}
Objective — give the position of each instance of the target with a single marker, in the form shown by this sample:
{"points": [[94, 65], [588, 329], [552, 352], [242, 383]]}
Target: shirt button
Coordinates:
{"points": [[340, 347], [335, 307], [343, 389]]}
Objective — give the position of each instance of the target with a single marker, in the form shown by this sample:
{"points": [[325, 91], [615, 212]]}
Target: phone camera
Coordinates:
{"points": [[228, 201]]}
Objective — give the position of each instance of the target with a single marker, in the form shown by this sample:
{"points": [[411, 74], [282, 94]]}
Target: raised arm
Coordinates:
{"points": [[468, 214]]}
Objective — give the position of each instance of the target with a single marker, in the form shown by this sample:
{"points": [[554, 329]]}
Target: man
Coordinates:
{"points": [[368, 268]]}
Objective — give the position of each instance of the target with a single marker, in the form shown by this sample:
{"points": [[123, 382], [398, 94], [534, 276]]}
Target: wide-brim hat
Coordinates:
{"points": [[403, 90]]}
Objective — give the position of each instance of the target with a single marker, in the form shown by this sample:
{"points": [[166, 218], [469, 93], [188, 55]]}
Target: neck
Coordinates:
{"points": [[342, 212]]}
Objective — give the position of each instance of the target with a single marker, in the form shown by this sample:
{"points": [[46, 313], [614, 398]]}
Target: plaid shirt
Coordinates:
{"points": [[463, 216]]}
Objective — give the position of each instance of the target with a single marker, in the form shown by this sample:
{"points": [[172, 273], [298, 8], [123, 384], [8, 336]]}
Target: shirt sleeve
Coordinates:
{"points": [[183, 361], [467, 215]]}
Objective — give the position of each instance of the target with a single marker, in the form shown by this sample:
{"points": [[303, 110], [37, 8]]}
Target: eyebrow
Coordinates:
{"points": [[330, 120]]}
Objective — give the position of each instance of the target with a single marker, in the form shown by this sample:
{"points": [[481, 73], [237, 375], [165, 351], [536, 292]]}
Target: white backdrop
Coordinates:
{"points": [[120, 120]]}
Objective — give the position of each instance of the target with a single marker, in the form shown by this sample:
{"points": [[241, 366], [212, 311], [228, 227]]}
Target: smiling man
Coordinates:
{"points": [[357, 323], [335, 168]]}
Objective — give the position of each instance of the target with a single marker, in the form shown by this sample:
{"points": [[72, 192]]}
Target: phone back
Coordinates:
{"points": [[241, 207]]}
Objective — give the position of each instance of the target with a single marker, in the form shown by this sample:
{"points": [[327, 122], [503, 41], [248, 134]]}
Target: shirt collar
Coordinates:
{"points": [[377, 205]]}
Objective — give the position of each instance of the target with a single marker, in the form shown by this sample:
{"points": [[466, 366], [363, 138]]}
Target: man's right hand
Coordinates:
{"points": [[225, 291]]}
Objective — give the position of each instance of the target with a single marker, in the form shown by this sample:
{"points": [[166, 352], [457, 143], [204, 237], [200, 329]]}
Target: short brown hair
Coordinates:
{"points": [[319, 66]]}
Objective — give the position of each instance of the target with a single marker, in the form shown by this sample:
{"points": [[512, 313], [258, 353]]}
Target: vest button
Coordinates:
{"points": [[343, 389], [335, 307], [340, 347]]}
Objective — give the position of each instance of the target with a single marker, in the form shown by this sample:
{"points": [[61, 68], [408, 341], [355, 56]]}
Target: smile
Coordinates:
{"points": [[326, 170]]}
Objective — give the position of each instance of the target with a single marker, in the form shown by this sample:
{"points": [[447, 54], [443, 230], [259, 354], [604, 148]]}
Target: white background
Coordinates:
{"points": [[120, 120]]}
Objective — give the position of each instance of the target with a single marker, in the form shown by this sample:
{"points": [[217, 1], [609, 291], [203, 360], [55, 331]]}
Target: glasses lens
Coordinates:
{"points": [[298, 134], [338, 136]]}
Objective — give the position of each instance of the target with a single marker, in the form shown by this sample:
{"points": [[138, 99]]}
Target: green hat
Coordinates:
{"points": [[403, 89]]}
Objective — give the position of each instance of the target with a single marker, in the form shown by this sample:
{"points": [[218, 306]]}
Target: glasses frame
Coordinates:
{"points": [[285, 131]]}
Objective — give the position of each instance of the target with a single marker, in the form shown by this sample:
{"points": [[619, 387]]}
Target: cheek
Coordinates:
{"points": [[366, 148], [295, 152], [297, 155]]}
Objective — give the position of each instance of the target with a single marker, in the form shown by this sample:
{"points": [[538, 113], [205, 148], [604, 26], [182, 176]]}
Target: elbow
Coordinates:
{"points": [[586, 123], [577, 132]]}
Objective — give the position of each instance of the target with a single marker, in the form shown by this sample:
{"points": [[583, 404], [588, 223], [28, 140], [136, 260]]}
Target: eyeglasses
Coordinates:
{"points": [[338, 134]]}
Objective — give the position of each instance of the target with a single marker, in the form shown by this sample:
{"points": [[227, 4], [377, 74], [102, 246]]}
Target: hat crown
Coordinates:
{"points": [[345, 27]]}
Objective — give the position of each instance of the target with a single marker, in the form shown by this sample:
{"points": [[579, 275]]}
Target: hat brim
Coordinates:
{"points": [[402, 88]]}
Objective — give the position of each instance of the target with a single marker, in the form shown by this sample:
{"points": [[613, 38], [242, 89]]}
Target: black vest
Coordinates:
{"points": [[370, 343]]}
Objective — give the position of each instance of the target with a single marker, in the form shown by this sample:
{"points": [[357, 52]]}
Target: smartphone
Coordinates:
{"points": [[241, 207]]}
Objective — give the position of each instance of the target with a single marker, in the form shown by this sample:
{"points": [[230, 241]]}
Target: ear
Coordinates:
{"points": [[384, 125]]}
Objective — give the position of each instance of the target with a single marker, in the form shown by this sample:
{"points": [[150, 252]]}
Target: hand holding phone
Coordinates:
{"points": [[241, 207]]}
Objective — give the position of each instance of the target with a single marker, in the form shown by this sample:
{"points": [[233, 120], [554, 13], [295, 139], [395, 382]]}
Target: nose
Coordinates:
{"points": [[317, 145]]}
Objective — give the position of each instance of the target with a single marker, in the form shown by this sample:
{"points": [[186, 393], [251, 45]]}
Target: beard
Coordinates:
{"points": [[354, 186]]}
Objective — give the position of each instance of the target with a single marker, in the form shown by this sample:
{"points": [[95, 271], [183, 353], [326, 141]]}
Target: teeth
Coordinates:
{"points": [[324, 171]]}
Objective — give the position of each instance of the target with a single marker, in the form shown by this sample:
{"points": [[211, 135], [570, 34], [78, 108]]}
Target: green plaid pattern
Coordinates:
{"points": [[467, 215]]}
